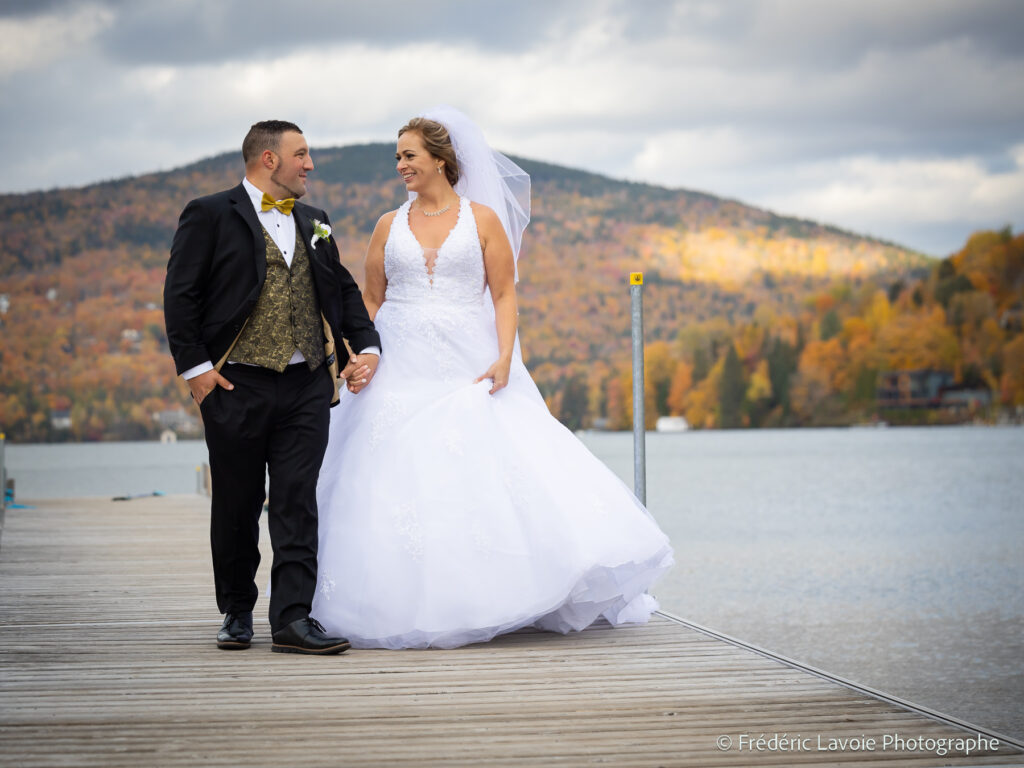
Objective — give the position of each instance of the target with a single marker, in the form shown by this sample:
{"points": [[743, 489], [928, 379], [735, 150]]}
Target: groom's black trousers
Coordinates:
{"points": [[276, 422]]}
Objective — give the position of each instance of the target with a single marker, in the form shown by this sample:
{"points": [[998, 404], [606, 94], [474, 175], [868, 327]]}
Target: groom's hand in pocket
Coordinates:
{"points": [[205, 383], [359, 371]]}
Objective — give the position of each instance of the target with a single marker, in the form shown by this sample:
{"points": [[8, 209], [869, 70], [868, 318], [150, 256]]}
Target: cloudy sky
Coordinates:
{"points": [[902, 119]]}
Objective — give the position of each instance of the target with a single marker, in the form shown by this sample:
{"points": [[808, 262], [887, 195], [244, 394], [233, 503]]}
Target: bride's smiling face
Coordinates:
{"points": [[416, 166]]}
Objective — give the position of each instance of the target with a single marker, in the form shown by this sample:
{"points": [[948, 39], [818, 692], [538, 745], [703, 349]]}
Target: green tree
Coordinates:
{"points": [[782, 362], [731, 391], [701, 365], [949, 287], [831, 325], [574, 402]]}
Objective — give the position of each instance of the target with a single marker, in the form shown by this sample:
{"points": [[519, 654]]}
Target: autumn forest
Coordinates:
{"points": [[751, 319]]}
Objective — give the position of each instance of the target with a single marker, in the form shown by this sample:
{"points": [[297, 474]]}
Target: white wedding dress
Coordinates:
{"points": [[449, 515]]}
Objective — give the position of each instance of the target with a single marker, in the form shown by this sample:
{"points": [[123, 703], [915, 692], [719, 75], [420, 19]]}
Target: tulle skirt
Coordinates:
{"points": [[449, 515]]}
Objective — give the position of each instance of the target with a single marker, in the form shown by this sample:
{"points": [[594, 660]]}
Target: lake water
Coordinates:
{"points": [[891, 557]]}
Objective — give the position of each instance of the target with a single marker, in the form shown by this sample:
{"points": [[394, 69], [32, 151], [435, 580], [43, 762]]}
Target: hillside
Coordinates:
{"points": [[82, 270]]}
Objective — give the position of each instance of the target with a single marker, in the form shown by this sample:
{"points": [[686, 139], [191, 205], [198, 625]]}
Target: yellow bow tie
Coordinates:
{"points": [[284, 206]]}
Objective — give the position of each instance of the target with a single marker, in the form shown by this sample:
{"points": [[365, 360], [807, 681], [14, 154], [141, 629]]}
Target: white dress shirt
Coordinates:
{"points": [[281, 229]]}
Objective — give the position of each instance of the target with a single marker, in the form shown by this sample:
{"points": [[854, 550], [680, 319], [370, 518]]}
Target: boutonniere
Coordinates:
{"points": [[321, 231]]}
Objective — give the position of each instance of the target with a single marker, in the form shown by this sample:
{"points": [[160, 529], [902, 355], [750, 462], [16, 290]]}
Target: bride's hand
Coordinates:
{"points": [[359, 371], [498, 372]]}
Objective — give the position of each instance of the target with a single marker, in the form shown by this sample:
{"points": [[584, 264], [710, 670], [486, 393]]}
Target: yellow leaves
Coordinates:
{"points": [[989, 338], [1012, 381], [12, 410], [825, 363], [994, 263], [732, 256], [725, 276], [658, 362], [979, 280], [855, 328], [620, 401], [880, 312], [919, 340], [820, 260], [748, 341], [703, 400], [823, 303], [682, 380], [808, 391], [760, 386], [859, 343], [969, 310]]}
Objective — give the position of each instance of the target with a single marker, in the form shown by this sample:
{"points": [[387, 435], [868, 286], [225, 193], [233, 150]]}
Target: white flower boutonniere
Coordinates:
{"points": [[321, 231]]}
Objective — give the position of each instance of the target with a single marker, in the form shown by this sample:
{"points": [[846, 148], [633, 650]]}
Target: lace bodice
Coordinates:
{"points": [[455, 274]]}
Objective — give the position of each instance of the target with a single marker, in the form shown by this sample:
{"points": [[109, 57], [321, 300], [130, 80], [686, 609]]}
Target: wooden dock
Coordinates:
{"points": [[107, 658]]}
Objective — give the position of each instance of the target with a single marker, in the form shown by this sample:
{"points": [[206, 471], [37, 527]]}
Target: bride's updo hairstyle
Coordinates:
{"points": [[438, 143]]}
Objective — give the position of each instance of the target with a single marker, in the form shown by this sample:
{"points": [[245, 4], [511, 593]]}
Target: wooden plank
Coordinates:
{"points": [[107, 656]]}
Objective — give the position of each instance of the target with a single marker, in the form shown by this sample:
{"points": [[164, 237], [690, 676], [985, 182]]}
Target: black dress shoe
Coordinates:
{"points": [[236, 632], [307, 636]]}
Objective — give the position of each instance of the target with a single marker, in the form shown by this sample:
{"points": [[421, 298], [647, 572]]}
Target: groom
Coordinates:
{"points": [[255, 296]]}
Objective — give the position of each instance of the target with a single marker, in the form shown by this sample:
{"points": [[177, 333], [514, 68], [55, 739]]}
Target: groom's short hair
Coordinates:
{"points": [[264, 135]]}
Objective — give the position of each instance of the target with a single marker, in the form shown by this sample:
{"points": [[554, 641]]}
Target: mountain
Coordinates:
{"points": [[82, 271], [691, 234]]}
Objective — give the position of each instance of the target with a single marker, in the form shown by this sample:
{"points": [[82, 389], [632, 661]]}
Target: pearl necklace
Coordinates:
{"points": [[435, 213]]}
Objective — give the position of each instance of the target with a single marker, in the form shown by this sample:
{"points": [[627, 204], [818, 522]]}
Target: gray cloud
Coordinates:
{"points": [[817, 109], [28, 8], [191, 31], [834, 35]]}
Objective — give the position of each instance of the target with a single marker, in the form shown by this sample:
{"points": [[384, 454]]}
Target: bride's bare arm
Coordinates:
{"points": [[499, 264], [361, 368], [376, 280]]}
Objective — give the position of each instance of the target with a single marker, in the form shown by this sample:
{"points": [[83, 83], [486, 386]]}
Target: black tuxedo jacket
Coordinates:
{"points": [[216, 271]]}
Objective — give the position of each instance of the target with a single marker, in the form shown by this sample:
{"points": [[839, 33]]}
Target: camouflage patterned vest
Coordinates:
{"points": [[287, 314]]}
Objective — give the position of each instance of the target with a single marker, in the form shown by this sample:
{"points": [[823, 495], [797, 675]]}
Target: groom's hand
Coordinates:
{"points": [[205, 383], [359, 371]]}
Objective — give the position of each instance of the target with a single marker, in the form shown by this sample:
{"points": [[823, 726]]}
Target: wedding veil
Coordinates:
{"points": [[487, 176]]}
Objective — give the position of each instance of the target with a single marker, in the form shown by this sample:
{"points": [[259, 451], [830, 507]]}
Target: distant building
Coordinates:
{"points": [[1012, 319], [970, 400], [131, 339], [60, 419], [177, 420], [922, 388]]}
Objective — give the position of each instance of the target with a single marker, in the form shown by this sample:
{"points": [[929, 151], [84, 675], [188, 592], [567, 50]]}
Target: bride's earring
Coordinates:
{"points": [[439, 169]]}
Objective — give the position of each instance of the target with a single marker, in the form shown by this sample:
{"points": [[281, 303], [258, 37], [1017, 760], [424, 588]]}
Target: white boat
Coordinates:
{"points": [[671, 424]]}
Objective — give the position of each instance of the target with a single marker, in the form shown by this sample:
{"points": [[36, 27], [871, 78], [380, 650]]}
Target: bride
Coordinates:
{"points": [[453, 506]]}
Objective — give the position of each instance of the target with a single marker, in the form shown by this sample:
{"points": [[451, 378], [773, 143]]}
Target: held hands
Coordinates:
{"points": [[498, 373], [205, 383], [359, 371]]}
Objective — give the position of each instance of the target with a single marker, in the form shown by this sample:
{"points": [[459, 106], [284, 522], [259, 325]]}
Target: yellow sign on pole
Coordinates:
{"points": [[636, 278]]}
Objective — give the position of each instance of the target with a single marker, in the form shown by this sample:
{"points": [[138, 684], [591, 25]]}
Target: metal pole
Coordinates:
{"points": [[3, 485], [3, 472], [636, 296]]}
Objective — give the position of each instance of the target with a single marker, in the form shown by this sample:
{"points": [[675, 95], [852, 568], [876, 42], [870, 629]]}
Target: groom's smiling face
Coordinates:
{"points": [[293, 164]]}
